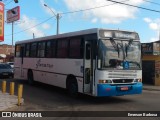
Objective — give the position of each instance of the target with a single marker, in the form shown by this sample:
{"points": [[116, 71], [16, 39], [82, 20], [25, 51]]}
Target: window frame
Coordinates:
{"points": [[74, 47], [39, 50], [31, 51], [60, 48], [52, 49], [18, 51], [27, 49]]}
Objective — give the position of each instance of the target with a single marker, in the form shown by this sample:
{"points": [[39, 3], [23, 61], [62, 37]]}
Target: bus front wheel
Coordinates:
{"points": [[72, 87], [30, 77]]}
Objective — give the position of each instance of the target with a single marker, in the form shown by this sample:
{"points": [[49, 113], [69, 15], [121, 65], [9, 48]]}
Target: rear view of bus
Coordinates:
{"points": [[119, 69]]}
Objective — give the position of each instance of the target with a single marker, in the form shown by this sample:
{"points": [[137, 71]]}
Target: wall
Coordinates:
{"points": [[7, 51]]}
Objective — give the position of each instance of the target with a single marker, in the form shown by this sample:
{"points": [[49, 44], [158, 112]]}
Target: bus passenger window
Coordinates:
{"points": [[18, 47], [50, 49], [75, 48], [33, 50], [41, 49], [62, 49], [27, 48]]}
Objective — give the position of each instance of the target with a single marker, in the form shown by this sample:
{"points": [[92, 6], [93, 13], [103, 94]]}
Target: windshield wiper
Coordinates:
{"points": [[127, 46], [114, 45]]}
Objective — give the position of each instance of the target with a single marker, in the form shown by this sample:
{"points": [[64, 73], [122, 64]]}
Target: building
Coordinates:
{"points": [[151, 63], [6, 53]]}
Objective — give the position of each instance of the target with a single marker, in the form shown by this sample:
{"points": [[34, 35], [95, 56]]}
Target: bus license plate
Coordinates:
{"points": [[124, 88]]}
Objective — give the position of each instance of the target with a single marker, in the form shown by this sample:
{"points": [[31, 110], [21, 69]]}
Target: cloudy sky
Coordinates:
{"points": [[38, 20]]}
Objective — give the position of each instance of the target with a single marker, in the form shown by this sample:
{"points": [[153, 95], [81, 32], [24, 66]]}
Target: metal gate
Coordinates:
{"points": [[148, 72]]}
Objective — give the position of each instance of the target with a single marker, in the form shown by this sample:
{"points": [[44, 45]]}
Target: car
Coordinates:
{"points": [[6, 71], [11, 64]]}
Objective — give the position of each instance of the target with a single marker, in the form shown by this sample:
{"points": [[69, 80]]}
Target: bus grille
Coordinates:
{"points": [[126, 74], [123, 81]]}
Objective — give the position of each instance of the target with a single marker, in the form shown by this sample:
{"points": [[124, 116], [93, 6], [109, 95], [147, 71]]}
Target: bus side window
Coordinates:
{"points": [[75, 48], [33, 50], [50, 49], [88, 50], [18, 48], [41, 49], [27, 49], [62, 48]]}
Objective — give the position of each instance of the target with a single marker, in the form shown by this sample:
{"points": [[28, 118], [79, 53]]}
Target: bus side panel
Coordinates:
{"points": [[55, 79], [25, 74], [50, 78], [17, 68], [54, 71], [80, 84]]}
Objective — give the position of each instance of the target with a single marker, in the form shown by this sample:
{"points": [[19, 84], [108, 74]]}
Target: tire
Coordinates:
{"points": [[30, 77], [72, 87]]}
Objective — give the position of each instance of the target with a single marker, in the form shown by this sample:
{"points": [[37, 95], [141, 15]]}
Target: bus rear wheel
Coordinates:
{"points": [[72, 87], [30, 77]]}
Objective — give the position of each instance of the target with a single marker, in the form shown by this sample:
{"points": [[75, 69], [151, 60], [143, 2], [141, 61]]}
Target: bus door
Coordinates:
{"points": [[21, 60], [88, 67]]}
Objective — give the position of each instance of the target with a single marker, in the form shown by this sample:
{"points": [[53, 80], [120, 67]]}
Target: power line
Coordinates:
{"points": [[62, 13], [32, 26], [8, 2], [135, 6], [151, 2], [91, 8], [114, 2], [4, 1]]}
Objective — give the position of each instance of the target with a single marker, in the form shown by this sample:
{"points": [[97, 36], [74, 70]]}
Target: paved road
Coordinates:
{"points": [[41, 97]]}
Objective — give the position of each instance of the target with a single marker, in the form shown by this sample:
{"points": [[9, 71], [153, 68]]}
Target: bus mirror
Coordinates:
{"points": [[88, 51]]}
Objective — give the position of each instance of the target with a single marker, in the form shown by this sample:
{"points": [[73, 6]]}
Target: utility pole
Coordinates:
{"points": [[57, 17], [33, 36], [12, 35], [159, 42]]}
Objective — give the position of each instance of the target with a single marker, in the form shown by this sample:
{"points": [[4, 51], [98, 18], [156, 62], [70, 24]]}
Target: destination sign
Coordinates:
{"points": [[118, 34], [124, 35]]}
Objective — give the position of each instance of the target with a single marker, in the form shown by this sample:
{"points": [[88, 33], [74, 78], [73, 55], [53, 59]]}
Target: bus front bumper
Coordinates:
{"points": [[118, 90]]}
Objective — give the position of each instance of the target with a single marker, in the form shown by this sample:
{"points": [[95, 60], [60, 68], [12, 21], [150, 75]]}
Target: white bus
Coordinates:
{"points": [[97, 62]]}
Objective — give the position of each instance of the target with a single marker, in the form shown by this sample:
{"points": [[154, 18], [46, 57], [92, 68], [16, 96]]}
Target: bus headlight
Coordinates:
{"points": [[105, 81], [138, 80]]}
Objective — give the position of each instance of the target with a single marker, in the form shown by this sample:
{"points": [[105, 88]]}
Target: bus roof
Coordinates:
{"points": [[70, 34]]}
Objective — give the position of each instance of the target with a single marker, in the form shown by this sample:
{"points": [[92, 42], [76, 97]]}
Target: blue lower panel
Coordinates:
{"points": [[112, 90]]}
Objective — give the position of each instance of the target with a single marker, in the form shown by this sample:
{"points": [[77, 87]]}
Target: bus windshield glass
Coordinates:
{"points": [[116, 53]]}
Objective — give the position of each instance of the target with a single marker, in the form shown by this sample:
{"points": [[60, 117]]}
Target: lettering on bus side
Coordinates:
{"points": [[39, 64]]}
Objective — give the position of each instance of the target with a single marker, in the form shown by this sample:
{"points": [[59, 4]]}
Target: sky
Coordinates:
{"points": [[37, 20]]}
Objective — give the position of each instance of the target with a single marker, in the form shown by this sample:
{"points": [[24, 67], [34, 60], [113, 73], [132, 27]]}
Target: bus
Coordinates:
{"points": [[97, 62]]}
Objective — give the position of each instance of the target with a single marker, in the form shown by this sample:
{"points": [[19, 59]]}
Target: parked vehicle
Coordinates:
{"points": [[11, 64], [6, 71]]}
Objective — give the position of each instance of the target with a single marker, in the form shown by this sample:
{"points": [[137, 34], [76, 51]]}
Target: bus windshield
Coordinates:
{"points": [[114, 53]]}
